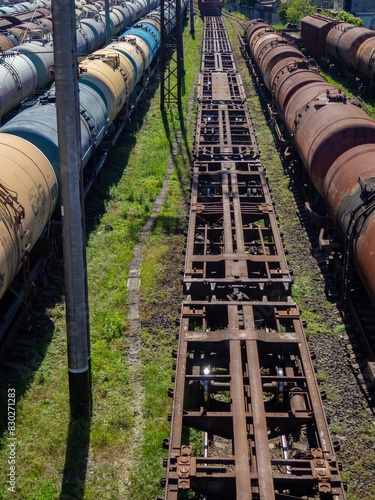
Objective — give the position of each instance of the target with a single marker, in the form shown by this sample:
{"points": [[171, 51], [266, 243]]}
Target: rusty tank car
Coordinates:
{"points": [[353, 45], [334, 138]]}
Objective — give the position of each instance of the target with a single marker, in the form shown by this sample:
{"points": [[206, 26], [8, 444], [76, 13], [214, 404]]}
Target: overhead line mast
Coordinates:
{"points": [[72, 207], [171, 54]]}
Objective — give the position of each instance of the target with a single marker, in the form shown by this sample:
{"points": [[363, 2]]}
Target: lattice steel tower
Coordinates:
{"points": [[171, 53]]}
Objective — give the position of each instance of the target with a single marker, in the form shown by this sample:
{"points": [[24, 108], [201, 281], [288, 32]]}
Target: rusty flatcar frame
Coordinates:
{"points": [[244, 383]]}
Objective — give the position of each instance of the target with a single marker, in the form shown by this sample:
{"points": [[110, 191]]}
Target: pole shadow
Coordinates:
{"points": [[76, 458]]}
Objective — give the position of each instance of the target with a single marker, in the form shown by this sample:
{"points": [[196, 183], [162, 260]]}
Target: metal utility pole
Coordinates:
{"points": [[107, 22], [180, 43], [192, 29], [72, 207], [171, 54]]}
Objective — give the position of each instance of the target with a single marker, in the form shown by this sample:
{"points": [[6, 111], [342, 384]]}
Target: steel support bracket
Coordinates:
{"points": [[193, 312], [185, 467], [321, 470], [291, 313]]}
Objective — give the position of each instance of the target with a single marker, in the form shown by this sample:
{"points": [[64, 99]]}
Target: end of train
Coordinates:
{"points": [[210, 7]]}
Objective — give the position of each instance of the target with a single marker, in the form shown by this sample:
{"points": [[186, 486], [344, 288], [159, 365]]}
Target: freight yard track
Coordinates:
{"points": [[245, 391]]}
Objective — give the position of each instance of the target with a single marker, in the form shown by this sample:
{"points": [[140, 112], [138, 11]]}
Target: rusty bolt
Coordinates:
{"points": [[184, 484], [316, 452], [325, 488]]}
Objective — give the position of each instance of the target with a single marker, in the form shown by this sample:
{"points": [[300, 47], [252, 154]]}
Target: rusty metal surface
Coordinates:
{"points": [[314, 30], [210, 7], [224, 130], [5, 42], [325, 125], [333, 38], [260, 262], [262, 39], [287, 77], [352, 45], [244, 386], [350, 42], [217, 61], [19, 30], [256, 25], [215, 38], [220, 86], [349, 191], [366, 57], [22, 17], [269, 56]]}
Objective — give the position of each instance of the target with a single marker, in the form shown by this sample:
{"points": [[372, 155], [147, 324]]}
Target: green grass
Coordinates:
{"points": [[322, 376], [278, 26], [335, 430], [161, 297]]}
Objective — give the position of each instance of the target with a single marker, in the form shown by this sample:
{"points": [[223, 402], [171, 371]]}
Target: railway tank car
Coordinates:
{"points": [[28, 67], [19, 7], [28, 142], [353, 45], [334, 138], [16, 26]]}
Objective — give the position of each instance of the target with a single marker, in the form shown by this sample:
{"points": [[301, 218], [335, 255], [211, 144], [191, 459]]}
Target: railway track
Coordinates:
{"points": [[234, 20], [247, 419]]}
